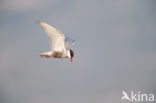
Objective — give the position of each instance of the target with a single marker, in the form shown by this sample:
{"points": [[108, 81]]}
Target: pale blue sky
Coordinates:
{"points": [[115, 50]]}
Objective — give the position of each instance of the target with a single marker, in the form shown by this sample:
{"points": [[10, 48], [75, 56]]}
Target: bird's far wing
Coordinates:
{"points": [[69, 42], [55, 36]]}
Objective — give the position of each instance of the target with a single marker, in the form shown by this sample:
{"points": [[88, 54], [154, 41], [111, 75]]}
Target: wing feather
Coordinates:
{"points": [[69, 42], [56, 38]]}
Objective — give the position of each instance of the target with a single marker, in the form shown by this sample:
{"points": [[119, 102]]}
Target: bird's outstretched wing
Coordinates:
{"points": [[56, 38], [69, 42]]}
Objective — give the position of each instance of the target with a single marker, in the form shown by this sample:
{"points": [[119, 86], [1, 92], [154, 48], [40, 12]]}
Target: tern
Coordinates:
{"points": [[59, 44]]}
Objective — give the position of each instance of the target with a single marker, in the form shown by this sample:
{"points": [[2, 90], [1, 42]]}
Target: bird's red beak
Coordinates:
{"points": [[71, 59]]}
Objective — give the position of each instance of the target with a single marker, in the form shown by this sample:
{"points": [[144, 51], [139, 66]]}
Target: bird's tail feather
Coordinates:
{"points": [[45, 54]]}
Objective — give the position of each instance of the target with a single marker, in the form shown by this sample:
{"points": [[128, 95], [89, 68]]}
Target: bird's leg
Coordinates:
{"points": [[47, 56]]}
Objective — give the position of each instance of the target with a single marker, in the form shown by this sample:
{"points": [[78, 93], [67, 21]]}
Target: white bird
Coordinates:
{"points": [[59, 44]]}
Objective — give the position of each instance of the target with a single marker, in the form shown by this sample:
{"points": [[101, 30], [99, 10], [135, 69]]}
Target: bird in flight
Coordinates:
{"points": [[59, 44]]}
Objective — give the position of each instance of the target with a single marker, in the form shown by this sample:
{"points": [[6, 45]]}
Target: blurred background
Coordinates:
{"points": [[115, 50]]}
